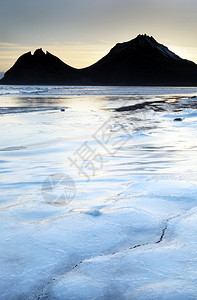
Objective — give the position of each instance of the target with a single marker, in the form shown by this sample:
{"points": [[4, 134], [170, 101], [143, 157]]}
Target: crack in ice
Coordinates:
{"points": [[43, 294]]}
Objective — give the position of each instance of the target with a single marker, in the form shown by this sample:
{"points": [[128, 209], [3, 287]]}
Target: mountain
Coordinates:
{"points": [[141, 61], [39, 68]]}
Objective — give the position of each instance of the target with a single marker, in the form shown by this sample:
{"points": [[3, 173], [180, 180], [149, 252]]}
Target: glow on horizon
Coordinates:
{"points": [[189, 53], [77, 55]]}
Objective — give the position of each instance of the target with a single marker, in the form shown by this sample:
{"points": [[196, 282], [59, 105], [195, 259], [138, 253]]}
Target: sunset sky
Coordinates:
{"points": [[82, 31]]}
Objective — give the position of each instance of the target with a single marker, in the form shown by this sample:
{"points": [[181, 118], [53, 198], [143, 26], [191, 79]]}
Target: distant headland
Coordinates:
{"points": [[139, 62]]}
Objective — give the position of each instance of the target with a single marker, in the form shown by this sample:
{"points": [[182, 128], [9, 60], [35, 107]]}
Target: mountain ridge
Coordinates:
{"points": [[140, 61]]}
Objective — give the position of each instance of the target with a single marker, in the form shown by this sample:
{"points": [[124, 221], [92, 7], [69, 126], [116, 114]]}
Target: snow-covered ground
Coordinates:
{"points": [[98, 203]]}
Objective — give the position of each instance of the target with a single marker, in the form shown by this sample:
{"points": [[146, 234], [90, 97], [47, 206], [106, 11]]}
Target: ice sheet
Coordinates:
{"points": [[130, 230]]}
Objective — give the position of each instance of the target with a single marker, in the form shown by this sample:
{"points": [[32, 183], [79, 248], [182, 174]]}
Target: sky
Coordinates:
{"points": [[80, 32]]}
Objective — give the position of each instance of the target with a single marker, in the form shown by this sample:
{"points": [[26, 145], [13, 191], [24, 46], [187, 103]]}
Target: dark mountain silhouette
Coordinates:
{"points": [[141, 61], [39, 68]]}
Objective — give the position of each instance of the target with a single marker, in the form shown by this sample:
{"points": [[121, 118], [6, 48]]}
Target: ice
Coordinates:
{"points": [[166, 270], [130, 230]]}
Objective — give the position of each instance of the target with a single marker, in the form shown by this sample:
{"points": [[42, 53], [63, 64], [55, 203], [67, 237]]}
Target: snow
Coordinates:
{"points": [[130, 231], [165, 51]]}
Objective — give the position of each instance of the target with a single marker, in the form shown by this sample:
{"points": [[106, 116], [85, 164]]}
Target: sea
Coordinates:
{"points": [[98, 192]]}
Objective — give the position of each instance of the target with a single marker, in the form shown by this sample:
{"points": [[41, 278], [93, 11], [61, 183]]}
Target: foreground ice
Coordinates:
{"points": [[130, 231], [166, 270]]}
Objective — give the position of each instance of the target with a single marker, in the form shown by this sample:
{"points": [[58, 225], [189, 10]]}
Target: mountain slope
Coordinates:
{"points": [[141, 61], [39, 68]]}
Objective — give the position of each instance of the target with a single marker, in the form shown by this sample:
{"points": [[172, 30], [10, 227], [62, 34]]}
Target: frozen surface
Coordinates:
{"points": [[93, 90], [129, 229]]}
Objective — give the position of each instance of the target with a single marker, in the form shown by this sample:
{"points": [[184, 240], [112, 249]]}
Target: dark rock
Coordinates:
{"points": [[39, 52], [178, 119], [142, 105]]}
